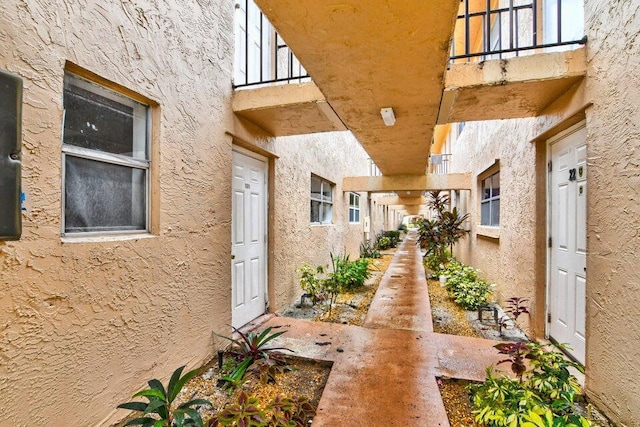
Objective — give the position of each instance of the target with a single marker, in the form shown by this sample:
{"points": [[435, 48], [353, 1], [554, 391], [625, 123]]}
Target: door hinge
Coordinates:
{"points": [[549, 165], [548, 317], [550, 242]]}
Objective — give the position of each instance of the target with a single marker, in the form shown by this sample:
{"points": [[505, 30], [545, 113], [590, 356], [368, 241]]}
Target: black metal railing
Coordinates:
{"points": [[497, 32], [262, 56]]}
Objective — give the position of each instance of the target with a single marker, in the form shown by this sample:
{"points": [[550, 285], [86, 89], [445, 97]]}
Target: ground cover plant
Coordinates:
{"points": [[542, 394], [465, 287]]}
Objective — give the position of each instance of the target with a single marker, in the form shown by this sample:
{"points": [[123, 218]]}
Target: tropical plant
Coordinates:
{"points": [[252, 345], [542, 395], [244, 412], [291, 411], [517, 306], [383, 242], [160, 401], [439, 234], [367, 250]]}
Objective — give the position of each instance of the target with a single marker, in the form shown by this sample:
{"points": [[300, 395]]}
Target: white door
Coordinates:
{"points": [[249, 237], [253, 51], [568, 241]]}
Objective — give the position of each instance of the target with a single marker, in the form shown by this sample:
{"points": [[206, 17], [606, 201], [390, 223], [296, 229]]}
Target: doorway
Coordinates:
{"points": [[567, 275], [248, 237]]}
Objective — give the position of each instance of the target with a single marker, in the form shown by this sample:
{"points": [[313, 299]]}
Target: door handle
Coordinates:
{"points": [[233, 256]]}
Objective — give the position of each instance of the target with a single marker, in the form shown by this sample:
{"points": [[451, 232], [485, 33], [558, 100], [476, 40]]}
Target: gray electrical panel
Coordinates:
{"points": [[10, 159]]}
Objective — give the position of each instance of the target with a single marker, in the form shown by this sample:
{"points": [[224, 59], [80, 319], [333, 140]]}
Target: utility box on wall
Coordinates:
{"points": [[10, 159]]}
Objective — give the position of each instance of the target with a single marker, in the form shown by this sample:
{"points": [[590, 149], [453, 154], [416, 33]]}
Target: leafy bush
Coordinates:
{"points": [[367, 250], [349, 275], [160, 401], [465, 287], [542, 396], [383, 242], [311, 283]]}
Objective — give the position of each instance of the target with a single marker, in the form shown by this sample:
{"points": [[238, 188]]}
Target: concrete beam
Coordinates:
{"points": [[283, 110], [388, 183], [404, 201], [509, 88]]}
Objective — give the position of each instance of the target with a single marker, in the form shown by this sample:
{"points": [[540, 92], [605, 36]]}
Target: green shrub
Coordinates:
{"points": [[311, 283], [349, 275], [542, 396], [383, 242], [465, 287]]}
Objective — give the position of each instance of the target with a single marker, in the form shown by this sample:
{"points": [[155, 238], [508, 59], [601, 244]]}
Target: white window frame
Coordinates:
{"points": [[354, 208], [491, 200], [139, 158], [325, 204]]}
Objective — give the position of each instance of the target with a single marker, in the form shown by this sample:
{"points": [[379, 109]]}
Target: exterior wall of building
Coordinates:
{"points": [[516, 260], [86, 321], [613, 213]]}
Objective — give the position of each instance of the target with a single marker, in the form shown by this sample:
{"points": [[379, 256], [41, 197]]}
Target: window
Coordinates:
{"points": [[105, 155], [321, 201], [490, 202], [354, 207]]}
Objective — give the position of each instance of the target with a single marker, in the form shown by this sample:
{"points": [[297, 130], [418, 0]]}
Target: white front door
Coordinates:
{"points": [[568, 241], [249, 237]]}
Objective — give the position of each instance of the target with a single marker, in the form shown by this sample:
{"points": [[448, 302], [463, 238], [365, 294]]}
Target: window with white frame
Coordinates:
{"points": [[105, 156], [354, 207], [321, 201], [490, 200]]}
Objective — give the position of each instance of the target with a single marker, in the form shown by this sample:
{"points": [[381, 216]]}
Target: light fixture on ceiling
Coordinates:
{"points": [[387, 116]]}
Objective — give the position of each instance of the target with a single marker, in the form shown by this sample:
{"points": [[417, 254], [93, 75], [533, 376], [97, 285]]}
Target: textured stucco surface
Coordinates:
{"points": [[516, 261], [613, 148], [84, 323]]}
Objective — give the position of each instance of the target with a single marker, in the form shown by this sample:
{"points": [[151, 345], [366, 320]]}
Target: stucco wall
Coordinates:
{"points": [[85, 322], [509, 259], [517, 260], [613, 213]]}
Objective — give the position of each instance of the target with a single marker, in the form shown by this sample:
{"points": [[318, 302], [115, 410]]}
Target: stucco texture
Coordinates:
{"points": [[83, 324], [516, 261], [613, 212]]}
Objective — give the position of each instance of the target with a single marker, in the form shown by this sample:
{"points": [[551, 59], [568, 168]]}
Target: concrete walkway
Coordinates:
{"points": [[384, 373]]}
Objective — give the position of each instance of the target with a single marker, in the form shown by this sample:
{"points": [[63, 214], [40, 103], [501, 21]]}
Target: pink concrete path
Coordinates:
{"points": [[384, 373]]}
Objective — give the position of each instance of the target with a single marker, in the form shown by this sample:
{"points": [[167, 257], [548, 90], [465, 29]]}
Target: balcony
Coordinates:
{"points": [[432, 62]]}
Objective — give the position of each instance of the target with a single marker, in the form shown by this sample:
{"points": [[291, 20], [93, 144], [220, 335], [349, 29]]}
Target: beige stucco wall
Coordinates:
{"points": [[613, 213], [516, 261], [84, 323]]}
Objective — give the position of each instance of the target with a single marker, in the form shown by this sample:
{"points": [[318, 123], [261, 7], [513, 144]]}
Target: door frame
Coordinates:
{"points": [[267, 222], [548, 143]]}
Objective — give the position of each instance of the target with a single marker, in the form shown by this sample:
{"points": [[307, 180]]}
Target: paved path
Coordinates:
{"points": [[384, 373]]}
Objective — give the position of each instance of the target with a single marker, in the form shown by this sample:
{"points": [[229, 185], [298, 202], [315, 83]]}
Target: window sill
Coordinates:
{"points": [[488, 231], [317, 224], [104, 239]]}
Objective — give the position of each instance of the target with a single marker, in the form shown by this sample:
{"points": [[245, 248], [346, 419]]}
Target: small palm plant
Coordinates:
{"points": [[160, 403]]}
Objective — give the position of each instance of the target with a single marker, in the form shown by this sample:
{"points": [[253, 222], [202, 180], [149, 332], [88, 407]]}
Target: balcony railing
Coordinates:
{"points": [[495, 29], [262, 57], [439, 164]]}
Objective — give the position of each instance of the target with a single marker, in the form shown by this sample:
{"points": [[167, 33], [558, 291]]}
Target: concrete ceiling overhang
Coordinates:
{"points": [[366, 55], [289, 109], [509, 88], [407, 185]]}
